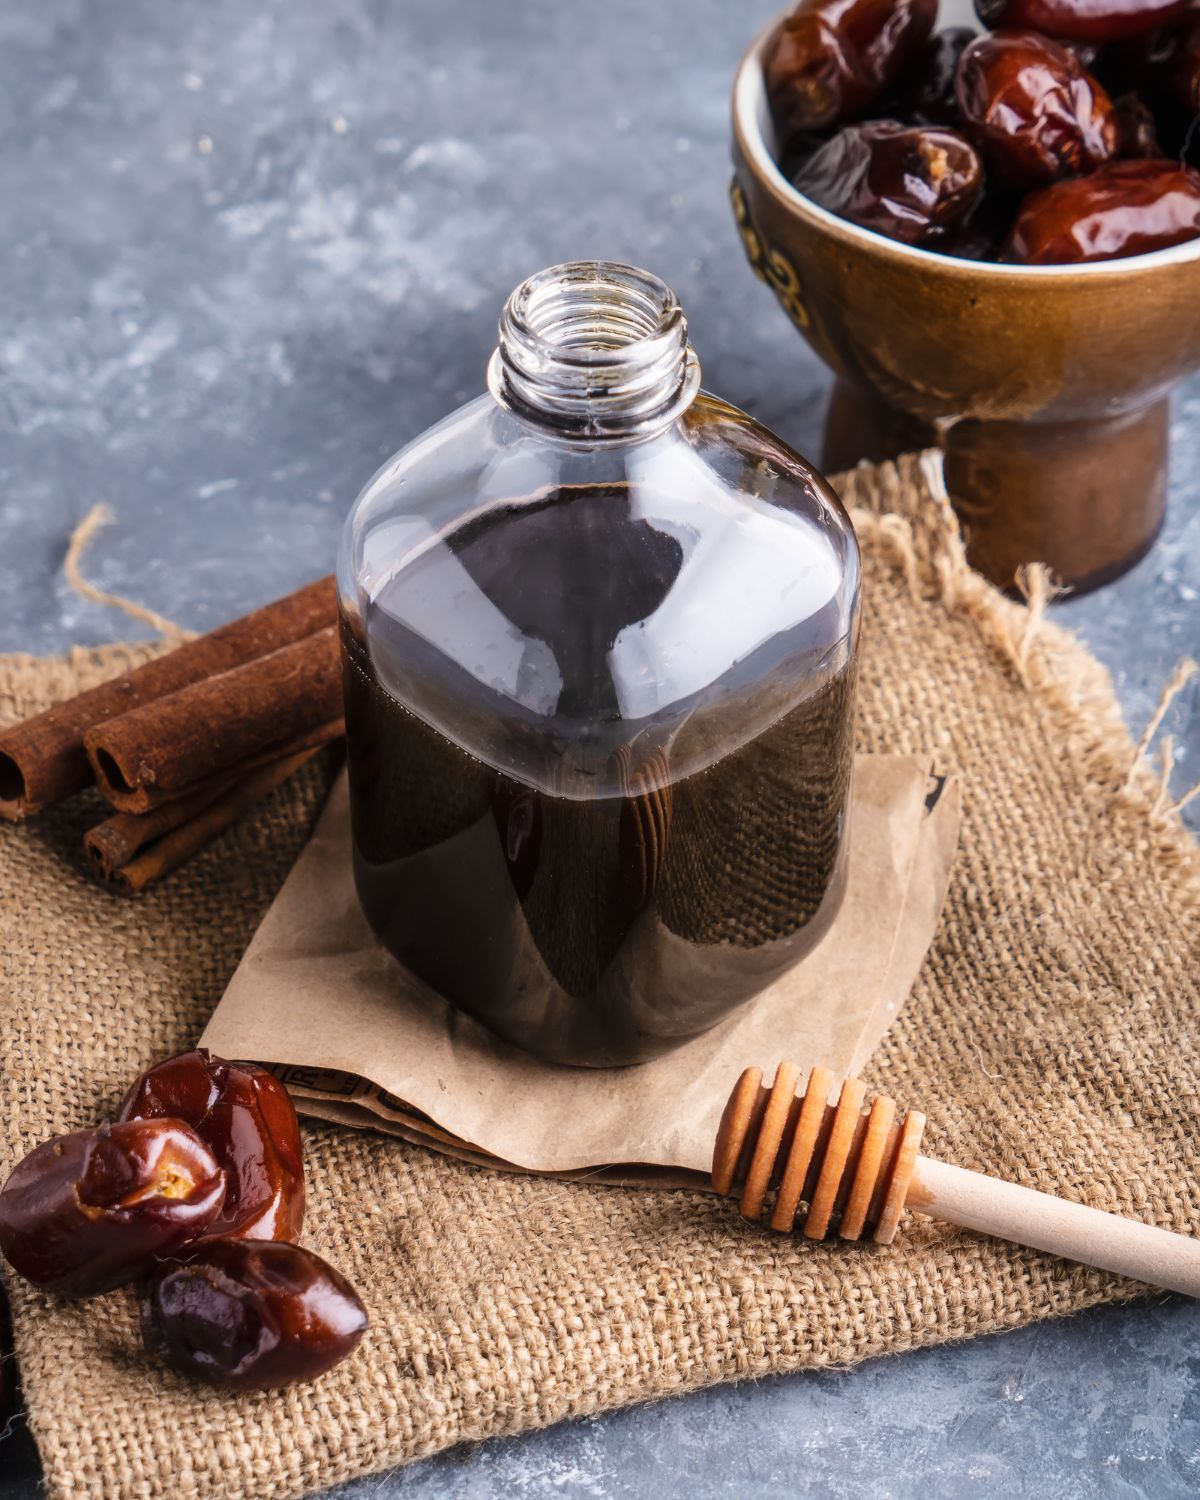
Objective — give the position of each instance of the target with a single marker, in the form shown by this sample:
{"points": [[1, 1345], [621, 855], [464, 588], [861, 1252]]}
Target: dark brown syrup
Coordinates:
{"points": [[603, 903]]}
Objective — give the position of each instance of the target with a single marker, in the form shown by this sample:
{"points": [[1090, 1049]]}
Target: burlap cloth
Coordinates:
{"points": [[1051, 1038]]}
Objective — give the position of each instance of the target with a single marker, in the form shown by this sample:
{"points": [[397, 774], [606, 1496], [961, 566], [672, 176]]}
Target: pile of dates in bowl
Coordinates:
{"points": [[1060, 135]]}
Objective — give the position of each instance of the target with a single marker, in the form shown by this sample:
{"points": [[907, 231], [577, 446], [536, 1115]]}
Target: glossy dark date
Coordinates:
{"points": [[983, 231], [1163, 69], [1183, 71], [1034, 113], [1137, 133], [1081, 20], [249, 1122], [87, 1212], [799, 149], [1128, 208], [925, 95], [912, 183], [1166, 65], [250, 1315], [831, 59]]}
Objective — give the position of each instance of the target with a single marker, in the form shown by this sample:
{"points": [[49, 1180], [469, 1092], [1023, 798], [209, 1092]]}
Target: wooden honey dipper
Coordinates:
{"points": [[862, 1168]]}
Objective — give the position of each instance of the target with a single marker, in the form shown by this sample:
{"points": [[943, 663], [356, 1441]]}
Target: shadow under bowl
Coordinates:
{"points": [[1046, 387]]}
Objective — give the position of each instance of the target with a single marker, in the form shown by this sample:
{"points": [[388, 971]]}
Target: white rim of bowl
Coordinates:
{"points": [[749, 107]]}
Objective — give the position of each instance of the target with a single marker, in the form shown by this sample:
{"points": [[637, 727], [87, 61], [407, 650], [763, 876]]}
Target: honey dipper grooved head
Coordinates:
{"points": [[851, 1163]]}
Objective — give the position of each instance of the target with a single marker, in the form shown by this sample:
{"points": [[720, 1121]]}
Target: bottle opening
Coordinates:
{"points": [[595, 348]]}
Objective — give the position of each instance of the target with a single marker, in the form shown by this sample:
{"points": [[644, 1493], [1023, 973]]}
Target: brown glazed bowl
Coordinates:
{"points": [[1046, 387]]}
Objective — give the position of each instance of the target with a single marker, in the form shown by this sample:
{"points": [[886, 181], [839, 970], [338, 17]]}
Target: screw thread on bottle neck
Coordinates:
{"points": [[595, 350]]}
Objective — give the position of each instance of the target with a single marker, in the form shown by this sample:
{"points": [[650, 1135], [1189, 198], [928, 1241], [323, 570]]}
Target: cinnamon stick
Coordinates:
{"points": [[114, 842], [251, 713], [43, 759], [189, 836], [149, 800]]}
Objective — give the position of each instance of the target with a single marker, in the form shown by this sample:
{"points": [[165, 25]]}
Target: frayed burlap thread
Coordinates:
{"points": [[1050, 1038]]}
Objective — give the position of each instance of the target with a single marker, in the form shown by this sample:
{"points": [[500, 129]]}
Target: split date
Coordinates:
{"points": [[911, 184], [248, 1121], [196, 1193], [89, 1211]]}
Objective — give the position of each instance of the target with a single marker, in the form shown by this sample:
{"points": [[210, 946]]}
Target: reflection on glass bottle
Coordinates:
{"points": [[600, 642]]}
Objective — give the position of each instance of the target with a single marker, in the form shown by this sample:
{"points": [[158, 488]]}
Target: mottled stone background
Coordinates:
{"points": [[251, 248]]}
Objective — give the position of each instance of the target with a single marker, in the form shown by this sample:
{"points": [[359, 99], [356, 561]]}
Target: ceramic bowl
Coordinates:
{"points": [[1046, 387]]}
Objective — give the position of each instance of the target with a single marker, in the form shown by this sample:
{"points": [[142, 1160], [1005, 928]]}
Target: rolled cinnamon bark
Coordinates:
{"points": [[252, 713], [190, 836], [116, 841], [146, 801], [43, 759]]}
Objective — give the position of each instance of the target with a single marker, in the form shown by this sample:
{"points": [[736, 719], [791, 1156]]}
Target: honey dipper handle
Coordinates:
{"points": [[1057, 1225]]}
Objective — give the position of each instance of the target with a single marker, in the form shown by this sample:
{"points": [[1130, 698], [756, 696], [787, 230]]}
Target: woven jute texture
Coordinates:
{"points": [[1051, 1038]]}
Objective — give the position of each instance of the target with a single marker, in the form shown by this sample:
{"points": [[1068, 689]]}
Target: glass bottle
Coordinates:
{"points": [[599, 635]]}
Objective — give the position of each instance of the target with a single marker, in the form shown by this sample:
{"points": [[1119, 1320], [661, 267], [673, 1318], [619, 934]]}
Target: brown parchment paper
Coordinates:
{"points": [[361, 1041]]}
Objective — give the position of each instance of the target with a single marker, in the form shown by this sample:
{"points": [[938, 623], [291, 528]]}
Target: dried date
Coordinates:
{"points": [[1183, 68], [249, 1122], [90, 1211], [1165, 66], [1088, 53], [927, 94], [1137, 132], [910, 183], [1034, 113], [1080, 20], [1128, 208], [831, 59], [983, 231], [249, 1315]]}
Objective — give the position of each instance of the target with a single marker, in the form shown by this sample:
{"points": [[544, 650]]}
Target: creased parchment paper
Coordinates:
{"points": [[359, 1040]]}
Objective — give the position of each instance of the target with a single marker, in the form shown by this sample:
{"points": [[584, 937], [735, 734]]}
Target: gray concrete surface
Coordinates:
{"points": [[250, 248]]}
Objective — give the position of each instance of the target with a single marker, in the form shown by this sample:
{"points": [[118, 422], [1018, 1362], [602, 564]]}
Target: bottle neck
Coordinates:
{"points": [[596, 351]]}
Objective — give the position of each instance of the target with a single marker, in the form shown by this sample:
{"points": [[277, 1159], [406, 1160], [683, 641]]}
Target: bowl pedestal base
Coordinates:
{"points": [[1087, 498]]}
